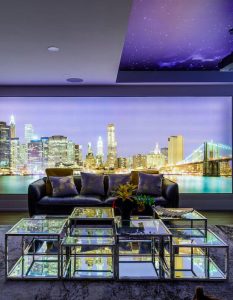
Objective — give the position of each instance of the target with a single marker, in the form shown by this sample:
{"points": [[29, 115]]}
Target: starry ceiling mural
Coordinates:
{"points": [[178, 35]]}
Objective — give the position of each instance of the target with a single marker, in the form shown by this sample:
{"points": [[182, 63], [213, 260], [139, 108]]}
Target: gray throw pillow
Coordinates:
{"points": [[63, 186], [150, 184], [114, 180], [92, 184]]}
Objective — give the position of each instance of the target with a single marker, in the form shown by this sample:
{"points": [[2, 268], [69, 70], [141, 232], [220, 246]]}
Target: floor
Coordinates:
{"points": [[214, 217]]}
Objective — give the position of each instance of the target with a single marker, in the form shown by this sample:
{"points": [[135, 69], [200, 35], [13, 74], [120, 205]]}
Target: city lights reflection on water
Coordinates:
{"points": [[187, 184]]}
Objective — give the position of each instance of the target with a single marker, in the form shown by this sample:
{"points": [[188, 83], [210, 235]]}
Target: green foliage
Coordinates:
{"points": [[144, 199], [125, 192]]}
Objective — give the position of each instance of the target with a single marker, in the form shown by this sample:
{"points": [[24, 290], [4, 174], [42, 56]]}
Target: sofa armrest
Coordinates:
{"points": [[170, 192], [36, 190]]}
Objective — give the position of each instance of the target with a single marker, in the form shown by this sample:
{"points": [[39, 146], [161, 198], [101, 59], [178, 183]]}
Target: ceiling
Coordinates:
{"points": [[90, 35]]}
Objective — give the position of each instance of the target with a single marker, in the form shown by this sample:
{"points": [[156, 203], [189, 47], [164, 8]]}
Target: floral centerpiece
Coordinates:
{"points": [[125, 201], [128, 201]]}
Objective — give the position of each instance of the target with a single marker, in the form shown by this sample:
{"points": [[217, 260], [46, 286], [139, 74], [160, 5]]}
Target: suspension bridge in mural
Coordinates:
{"points": [[209, 159]]}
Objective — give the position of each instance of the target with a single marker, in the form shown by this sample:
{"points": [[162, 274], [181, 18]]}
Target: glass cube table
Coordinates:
{"points": [[39, 251], [199, 257], [89, 253], [184, 219], [143, 249]]}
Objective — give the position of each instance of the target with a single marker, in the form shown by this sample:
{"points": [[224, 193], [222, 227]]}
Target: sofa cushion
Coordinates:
{"points": [[109, 201], [150, 184], [117, 179], [134, 175], [160, 201], [92, 184], [63, 186], [59, 172], [75, 200]]}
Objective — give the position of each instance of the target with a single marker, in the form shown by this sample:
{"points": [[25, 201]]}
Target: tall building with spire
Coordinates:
{"points": [[112, 146], [28, 133], [12, 127], [90, 161], [100, 152]]}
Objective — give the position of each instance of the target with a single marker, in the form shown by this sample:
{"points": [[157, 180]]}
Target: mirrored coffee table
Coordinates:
{"points": [[199, 257], [39, 248], [89, 253], [143, 249], [186, 218]]}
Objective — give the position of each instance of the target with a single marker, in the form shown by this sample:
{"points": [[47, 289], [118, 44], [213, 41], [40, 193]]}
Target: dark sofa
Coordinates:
{"points": [[40, 203]]}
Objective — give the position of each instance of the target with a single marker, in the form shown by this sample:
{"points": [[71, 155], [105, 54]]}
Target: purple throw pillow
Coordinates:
{"points": [[150, 184], [117, 179], [92, 184], [63, 186]]}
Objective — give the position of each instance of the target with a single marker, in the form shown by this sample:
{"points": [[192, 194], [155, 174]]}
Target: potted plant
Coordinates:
{"points": [[125, 200], [144, 204]]}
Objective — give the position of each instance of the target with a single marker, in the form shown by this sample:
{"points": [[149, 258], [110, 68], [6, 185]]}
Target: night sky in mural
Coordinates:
{"points": [[178, 35]]}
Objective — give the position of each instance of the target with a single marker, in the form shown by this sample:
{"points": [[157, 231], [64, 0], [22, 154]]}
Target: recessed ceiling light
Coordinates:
{"points": [[74, 80], [53, 49]]}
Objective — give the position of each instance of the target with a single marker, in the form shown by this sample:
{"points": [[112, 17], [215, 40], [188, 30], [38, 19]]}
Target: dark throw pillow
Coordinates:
{"points": [[63, 186], [150, 184], [92, 184], [55, 172], [115, 180]]}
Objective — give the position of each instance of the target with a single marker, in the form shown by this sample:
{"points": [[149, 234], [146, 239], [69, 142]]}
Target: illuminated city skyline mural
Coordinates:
{"points": [[178, 136], [140, 122], [178, 35]]}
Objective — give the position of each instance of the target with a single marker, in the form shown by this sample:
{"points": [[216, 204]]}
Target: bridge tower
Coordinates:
{"points": [[210, 167]]}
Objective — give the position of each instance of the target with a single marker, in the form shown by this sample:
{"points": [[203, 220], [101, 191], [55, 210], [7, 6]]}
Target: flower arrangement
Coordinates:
{"points": [[127, 201], [125, 192]]}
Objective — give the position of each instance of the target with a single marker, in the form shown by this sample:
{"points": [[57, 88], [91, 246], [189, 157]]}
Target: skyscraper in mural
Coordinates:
{"points": [[175, 149], [100, 151], [5, 146], [90, 161], [12, 127], [112, 146], [28, 133]]}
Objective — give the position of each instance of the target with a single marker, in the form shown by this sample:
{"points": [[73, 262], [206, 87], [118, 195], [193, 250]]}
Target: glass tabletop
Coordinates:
{"points": [[38, 226], [92, 213], [178, 214], [185, 238], [73, 241], [148, 227], [92, 231]]}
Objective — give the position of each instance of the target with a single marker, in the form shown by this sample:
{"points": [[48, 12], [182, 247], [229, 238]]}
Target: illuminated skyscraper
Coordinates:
{"points": [[164, 151], [100, 152], [57, 150], [28, 133], [5, 150], [70, 152], [78, 155], [12, 127], [157, 149], [15, 154], [45, 151], [112, 146], [35, 157], [122, 162], [139, 161], [175, 149], [90, 161]]}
